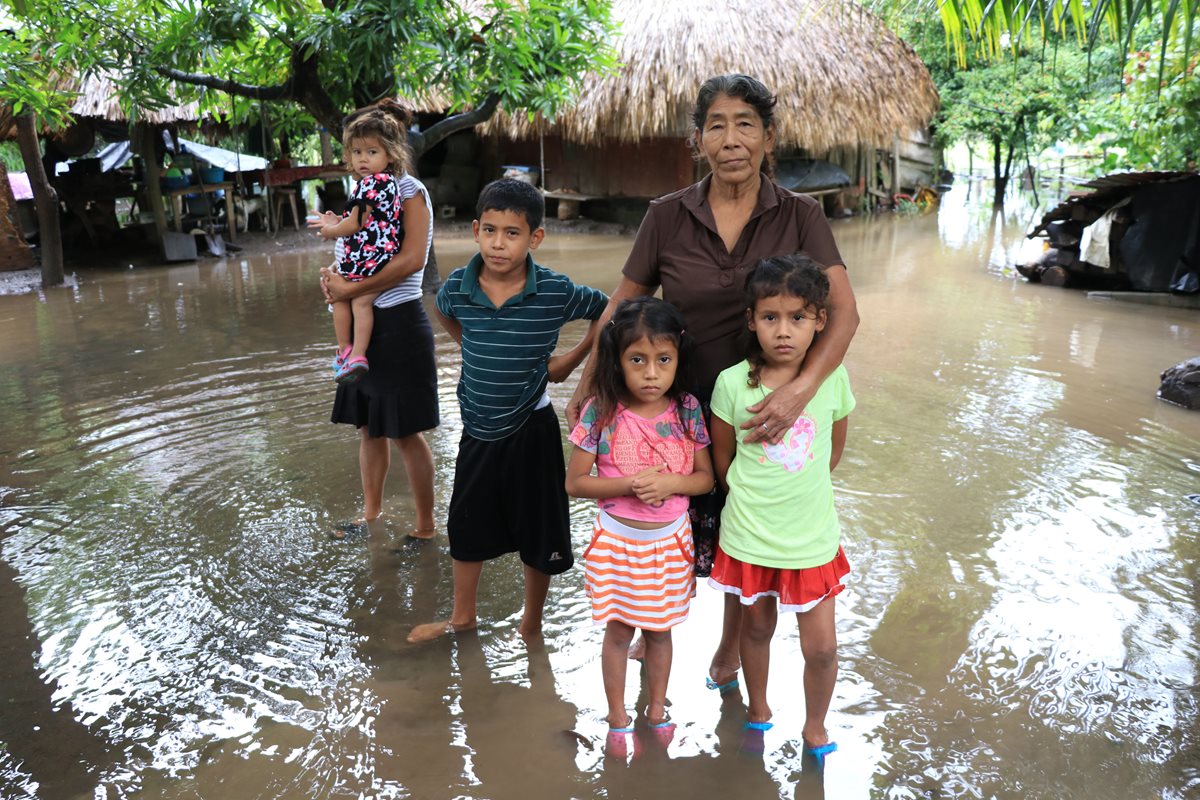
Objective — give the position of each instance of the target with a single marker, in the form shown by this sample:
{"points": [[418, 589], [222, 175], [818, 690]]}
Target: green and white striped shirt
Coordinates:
{"points": [[505, 350]]}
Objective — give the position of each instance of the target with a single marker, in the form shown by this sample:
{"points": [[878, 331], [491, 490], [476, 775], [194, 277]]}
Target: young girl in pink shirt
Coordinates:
{"points": [[646, 438]]}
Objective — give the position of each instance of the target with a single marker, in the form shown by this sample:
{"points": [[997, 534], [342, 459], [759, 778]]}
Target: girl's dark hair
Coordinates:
{"points": [[388, 122], [744, 87], [796, 275], [633, 319]]}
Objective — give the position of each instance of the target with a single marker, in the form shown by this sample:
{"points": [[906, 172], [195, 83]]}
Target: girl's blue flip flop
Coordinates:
{"points": [[721, 687], [819, 753]]}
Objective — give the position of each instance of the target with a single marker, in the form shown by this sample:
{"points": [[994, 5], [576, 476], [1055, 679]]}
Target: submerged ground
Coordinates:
{"points": [[1022, 620]]}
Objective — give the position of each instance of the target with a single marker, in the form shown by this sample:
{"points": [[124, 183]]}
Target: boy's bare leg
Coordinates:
{"points": [[658, 669], [818, 643], [537, 586], [364, 323], [466, 588], [343, 320]]}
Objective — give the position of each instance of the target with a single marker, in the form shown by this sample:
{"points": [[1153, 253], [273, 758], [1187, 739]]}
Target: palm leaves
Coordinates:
{"points": [[999, 27]]}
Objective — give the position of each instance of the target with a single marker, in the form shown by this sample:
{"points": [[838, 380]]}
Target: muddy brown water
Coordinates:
{"points": [[1022, 620]]}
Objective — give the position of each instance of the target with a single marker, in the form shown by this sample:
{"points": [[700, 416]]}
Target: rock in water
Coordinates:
{"points": [[1181, 384]]}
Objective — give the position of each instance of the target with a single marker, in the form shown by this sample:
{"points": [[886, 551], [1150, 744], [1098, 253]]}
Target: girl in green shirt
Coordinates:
{"points": [[779, 547]]}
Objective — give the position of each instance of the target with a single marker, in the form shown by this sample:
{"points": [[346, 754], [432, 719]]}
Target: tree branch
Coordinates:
{"points": [[422, 142], [281, 91]]}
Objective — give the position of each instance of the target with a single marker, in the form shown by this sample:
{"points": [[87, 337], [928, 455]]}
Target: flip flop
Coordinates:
{"points": [[721, 687], [348, 529], [753, 738], [820, 752], [352, 370]]}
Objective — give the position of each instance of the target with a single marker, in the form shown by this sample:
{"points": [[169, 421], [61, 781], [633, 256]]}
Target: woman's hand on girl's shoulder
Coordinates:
{"points": [[775, 413]]}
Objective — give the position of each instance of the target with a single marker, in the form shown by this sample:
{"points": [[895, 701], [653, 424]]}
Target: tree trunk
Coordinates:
{"points": [[1000, 180], [46, 199]]}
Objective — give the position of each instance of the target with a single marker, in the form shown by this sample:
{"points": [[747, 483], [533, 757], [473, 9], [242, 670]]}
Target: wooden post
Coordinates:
{"points": [[144, 135], [46, 199], [895, 165]]}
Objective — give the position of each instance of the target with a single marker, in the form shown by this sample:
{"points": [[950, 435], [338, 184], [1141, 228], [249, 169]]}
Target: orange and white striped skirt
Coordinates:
{"points": [[644, 578]]}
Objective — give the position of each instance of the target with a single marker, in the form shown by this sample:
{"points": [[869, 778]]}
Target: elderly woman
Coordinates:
{"points": [[698, 244]]}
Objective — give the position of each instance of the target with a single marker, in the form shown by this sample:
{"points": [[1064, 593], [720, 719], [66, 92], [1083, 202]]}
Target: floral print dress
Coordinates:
{"points": [[366, 252]]}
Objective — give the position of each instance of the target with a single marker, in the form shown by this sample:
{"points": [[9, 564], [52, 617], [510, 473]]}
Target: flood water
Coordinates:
{"points": [[1022, 620]]}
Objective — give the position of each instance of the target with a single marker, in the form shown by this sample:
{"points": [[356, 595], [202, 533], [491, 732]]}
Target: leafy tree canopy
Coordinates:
{"points": [[325, 56]]}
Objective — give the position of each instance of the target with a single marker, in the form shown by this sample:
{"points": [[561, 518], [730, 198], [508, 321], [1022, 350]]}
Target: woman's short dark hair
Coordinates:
{"points": [[751, 90], [743, 87]]}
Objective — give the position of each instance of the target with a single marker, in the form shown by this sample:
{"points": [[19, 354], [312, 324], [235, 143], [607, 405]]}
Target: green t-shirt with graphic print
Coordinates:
{"points": [[780, 512]]}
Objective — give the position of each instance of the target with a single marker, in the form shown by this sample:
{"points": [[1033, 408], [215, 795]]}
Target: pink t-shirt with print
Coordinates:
{"points": [[630, 444]]}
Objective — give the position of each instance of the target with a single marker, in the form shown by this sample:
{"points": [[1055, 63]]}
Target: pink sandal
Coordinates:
{"points": [[352, 370], [340, 359]]}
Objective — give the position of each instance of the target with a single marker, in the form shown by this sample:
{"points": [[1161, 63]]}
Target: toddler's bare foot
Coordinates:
{"points": [[435, 630]]}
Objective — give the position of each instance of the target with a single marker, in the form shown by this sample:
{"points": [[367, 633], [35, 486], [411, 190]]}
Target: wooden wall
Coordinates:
{"points": [[645, 169], [14, 252]]}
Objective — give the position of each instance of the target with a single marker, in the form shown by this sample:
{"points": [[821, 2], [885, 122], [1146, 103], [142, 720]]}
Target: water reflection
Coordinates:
{"points": [[1022, 620]]}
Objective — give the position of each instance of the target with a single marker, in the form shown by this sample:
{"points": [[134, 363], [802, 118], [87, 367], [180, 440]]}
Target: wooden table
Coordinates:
{"points": [[176, 197]]}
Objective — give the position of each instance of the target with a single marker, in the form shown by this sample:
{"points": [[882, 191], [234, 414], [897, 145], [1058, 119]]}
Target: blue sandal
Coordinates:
{"points": [[819, 753], [722, 687]]}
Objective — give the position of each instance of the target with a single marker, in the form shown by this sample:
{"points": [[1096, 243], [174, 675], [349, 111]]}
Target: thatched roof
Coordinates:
{"points": [[842, 78], [96, 98]]}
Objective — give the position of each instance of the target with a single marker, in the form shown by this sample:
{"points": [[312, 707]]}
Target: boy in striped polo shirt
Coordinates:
{"points": [[505, 312]]}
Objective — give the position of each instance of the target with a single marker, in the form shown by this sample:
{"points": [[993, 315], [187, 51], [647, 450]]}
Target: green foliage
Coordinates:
{"points": [[994, 30], [325, 57], [10, 156], [1154, 123]]}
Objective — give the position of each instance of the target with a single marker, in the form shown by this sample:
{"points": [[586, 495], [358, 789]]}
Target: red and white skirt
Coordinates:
{"points": [[796, 589], [642, 578]]}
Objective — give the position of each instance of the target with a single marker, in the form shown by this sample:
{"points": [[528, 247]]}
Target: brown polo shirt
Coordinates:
{"points": [[679, 249]]}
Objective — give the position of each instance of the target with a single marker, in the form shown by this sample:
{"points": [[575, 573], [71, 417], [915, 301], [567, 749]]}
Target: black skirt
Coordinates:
{"points": [[398, 396]]}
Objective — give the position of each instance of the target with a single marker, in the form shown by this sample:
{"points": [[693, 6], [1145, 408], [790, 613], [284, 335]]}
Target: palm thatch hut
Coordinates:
{"points": [[847, 86], [87, 193], [97, 107]]}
